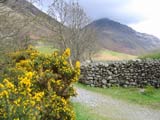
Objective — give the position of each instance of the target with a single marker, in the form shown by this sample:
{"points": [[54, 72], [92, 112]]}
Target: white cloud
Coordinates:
{"points": [[149, 9], [148, 26], [142, 15], [117, 10], [146, 8]]}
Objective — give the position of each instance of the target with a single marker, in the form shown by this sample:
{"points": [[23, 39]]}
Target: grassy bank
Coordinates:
{"points": [[155, 55], [83, 112], [102, 55], [105, 54], [45, 49], [150, 97]]}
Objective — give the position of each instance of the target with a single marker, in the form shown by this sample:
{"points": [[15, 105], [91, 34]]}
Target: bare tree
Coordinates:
{"points": [[72, 30]]}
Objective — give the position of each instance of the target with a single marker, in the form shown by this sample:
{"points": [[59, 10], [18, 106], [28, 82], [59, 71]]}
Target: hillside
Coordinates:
{"points": [[118, 37], [108, 55], [39, 24], [111, 35]]}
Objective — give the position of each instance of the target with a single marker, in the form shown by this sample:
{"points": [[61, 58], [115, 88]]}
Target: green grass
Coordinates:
{"points": [[155, 55], [83, 112], [105, 54], [112, 53], [45, 49], [149, 98]]}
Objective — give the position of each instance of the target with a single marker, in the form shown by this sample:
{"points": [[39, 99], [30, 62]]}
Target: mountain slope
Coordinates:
{"points": [[118, 37], [111, 35], [108, 55], [38, 23]]}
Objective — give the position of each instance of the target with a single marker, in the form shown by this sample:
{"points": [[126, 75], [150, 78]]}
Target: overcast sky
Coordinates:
{"points": [[141, 15]]}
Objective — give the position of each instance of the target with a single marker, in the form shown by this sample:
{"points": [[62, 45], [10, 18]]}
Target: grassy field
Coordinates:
{"points": [[102, 55], [85, 113], [105, 54], [149, 98], [45, 49], [155, 55]]}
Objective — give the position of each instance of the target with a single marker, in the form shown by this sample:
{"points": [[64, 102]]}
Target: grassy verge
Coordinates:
{"points": [[85, 113], [149, 98]]}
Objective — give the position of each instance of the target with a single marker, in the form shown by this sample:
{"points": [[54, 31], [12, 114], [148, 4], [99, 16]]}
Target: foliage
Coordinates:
{"points": [[35, 86]]}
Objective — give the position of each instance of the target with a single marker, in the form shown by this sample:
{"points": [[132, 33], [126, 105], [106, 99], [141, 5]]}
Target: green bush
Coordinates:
{"points": [[35, 86]]}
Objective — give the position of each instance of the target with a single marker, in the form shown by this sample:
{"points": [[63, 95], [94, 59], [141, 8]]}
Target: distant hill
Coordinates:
{"points": [[111, 35], [118, 37], [40, 25]]}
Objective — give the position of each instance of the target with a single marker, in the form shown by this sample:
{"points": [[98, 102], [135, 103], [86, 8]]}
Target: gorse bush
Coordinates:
{"points": [[35, 86]]}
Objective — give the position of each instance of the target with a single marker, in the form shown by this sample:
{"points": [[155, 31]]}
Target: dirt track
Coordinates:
{"points": [[115, 109]]}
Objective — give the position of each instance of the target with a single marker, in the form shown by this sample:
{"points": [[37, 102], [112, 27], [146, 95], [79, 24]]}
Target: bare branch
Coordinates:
{"points": [[72, 31]]}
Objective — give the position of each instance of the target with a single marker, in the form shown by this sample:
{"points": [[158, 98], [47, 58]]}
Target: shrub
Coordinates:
{"points": [[37, 86]]}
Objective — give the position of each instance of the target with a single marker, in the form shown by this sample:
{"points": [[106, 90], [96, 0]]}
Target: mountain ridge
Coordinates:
{"points": [[119, 37], [41, 24], [111, 35]]}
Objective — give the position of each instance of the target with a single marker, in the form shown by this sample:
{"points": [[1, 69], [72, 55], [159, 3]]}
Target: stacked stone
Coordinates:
{"points": [[135, 73]]}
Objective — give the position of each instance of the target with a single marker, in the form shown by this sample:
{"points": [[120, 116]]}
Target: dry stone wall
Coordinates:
{"points": [[137, 73]]}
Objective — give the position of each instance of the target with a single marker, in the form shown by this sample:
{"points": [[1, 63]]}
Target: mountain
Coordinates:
{"points": [[38, 24], [111, 35], [118, 37]]}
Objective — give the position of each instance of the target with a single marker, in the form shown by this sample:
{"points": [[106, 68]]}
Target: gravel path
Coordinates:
{"points": [[115, 109]]}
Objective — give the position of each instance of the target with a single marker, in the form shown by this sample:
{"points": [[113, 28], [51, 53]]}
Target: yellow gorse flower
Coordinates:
{"points": [[38, 96], [78, 64], [39, 83], [1, 86], [17, 102], [29, 75], [16, 119], [4, 94], [67, 52], [8, 84], [25, 81]]}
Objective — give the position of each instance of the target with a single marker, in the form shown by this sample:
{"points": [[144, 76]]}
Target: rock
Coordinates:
{"points": [[113, 81], [109, 84], [125, 86], [109, 78], [89, 78], [104, 86], [142, 90], [88, 82], [143, 74], [92, 85], [104, 81], [110, 73], [137, 73]]}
